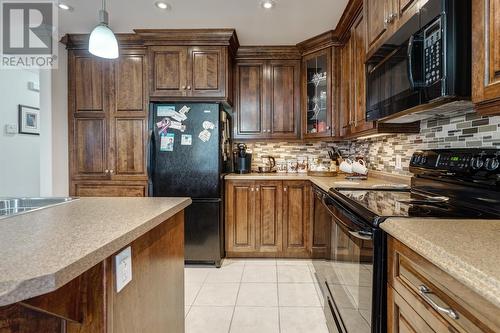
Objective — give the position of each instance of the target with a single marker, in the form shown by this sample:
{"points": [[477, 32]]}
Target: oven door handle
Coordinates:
{"points": [[363, 235], [360, 233]]}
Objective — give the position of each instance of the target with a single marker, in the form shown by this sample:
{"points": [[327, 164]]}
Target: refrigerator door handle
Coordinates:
{"points": [[151, 162]]}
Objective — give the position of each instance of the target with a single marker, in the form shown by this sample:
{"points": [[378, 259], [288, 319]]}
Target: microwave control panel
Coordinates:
{"points": [[433, 51]]}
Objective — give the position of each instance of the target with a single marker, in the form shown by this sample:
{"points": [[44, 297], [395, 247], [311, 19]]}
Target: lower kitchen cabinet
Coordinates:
{"points": [[296, 218], [268, 219], [423, 298]]}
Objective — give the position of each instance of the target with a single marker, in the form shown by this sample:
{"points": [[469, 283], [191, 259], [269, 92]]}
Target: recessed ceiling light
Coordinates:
{"points": [[162, 5], [268, 4], [64, 6]]}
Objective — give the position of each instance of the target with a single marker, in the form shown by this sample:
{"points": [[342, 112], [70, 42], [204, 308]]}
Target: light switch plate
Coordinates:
{"points": [[123, 268], [399, 165], [11, 129]]}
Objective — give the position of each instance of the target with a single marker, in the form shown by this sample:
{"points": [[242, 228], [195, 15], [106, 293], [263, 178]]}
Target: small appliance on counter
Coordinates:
{"points": [[242, 159], [269, 164]]}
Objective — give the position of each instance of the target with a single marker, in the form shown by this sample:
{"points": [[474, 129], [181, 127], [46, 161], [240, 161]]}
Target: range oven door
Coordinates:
{"points": [[348, 276]]}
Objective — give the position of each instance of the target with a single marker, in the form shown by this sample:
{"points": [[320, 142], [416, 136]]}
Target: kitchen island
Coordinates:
{"points": [[58, 270]]}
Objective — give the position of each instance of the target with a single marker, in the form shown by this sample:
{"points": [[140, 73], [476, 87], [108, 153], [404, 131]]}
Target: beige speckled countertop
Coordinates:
{"points": [[468, 250], [325, 183], [43, 250]]}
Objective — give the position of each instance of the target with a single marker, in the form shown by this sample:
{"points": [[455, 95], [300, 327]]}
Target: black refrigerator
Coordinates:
{"points": [[188, 158]]}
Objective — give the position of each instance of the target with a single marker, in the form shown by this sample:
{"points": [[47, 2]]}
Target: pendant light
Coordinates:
{"points": [[102, 41]]}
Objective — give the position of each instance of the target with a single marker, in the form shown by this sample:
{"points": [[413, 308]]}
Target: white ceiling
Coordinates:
{"points": [[290, 22]]}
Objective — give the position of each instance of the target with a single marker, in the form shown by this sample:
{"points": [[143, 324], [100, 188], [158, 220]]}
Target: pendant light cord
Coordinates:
{"points": [[103, 4]]}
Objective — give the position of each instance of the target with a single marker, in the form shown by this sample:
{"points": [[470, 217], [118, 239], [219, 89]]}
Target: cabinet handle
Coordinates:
{"points": [[425, 291], [392, 17]]}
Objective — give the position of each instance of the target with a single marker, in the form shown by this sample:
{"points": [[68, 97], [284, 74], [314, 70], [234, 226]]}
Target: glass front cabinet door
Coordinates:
{"points": [[317, 114]]}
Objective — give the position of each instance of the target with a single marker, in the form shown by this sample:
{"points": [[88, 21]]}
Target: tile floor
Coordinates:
{"points": [[261, 296]]}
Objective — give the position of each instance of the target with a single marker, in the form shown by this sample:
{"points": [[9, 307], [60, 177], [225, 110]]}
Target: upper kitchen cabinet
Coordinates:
{"points": [[383, 17], [486, 55], [267, 93], [318, 81], [317, 115], [353, 83], [107, 116], [193, 65]]}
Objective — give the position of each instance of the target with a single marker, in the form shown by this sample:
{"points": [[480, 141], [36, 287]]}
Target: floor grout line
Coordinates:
{"points": [[236, 300]]}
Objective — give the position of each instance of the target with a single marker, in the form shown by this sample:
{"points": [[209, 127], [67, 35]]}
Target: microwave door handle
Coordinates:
{"points": [[410, 62]]}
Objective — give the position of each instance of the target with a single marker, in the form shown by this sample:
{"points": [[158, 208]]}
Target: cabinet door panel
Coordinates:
{"points": [[130, 83], [88, 83], [240, 209], [249, 100], [169, 71], [296, 221], [130, 146], [207, 72], [402, 318], [285, 98], [358, 79], [376, 12], [90, 146], [345, 116], [269, 219]]}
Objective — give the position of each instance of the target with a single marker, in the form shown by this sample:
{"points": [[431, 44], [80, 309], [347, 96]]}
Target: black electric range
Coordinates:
{"points": [[452, 184]]}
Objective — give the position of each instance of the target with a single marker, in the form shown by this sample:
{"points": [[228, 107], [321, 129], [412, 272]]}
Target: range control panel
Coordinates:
{"points": [[461, 161]]}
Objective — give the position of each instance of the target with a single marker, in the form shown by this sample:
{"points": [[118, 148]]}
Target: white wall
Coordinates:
{"points": [[19, 153], [60, 184]]}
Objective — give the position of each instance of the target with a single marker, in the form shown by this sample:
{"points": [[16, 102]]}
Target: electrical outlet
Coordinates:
{"points": [[399, 165], [123, 268]]}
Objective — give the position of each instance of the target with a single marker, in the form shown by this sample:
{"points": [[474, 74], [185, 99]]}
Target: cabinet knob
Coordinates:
{"points": [[106, 171], [257, 189], [111, 171], [284, 189], [183, 87], [251, 189], [189, 87], [328, 127]]}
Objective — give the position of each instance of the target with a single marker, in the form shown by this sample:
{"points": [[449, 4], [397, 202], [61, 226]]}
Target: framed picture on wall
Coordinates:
{"points": [[29, 120]]}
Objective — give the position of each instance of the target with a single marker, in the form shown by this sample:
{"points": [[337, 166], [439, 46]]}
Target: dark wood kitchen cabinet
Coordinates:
{"points": [[107, 123], [486, 55], [268, 219], [416, 288], [267, 99], [353, 83], [297, 204], [317, 92], [181, 71], [384, 17]]}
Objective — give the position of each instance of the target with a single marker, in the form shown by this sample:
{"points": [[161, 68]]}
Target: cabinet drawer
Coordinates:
{"points": [[109, 190], [442, 301]]}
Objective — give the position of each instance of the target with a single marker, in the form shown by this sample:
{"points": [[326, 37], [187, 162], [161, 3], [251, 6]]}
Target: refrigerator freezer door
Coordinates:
{"points": [[203, 232], [191, 167]]}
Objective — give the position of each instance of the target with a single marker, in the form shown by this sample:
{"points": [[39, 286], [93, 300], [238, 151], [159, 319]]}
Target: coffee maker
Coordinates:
{"points": [[242, 159]]}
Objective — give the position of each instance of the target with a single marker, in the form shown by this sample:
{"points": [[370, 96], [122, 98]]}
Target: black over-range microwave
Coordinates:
{"points": [[426, 64]]}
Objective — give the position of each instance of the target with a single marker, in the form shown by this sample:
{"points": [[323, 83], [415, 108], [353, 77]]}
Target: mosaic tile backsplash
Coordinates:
{"points": [[464, 131]]}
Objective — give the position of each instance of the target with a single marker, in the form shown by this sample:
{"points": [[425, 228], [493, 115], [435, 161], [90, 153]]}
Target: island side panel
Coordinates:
{"points": [[153, 301]]}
